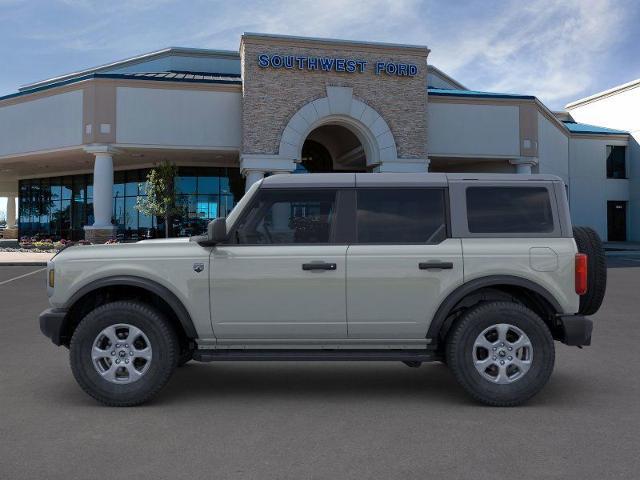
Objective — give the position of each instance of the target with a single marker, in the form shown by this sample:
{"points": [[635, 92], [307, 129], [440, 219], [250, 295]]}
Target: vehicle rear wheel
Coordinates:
{"points": [[123, 353], [589, 243], [501, 353]]}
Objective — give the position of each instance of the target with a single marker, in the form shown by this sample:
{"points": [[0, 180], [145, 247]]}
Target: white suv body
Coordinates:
{"points": [[334, 266]]}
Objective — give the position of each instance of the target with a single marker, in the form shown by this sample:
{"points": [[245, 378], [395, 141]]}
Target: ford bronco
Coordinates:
{"points": [[479, 271]]}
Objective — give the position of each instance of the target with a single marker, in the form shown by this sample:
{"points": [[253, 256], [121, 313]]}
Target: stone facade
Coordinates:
{"points": [[272, 96]]}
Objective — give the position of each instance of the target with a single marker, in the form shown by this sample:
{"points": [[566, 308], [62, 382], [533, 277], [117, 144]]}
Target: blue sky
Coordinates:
{"points": [[557, 50]]}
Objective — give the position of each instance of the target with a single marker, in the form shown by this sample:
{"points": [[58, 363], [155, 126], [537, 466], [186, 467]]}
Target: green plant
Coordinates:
{"points": [[160, 199]]}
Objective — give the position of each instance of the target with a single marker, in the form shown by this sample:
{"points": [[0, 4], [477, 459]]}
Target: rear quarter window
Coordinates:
{"points": [[509, 210]]}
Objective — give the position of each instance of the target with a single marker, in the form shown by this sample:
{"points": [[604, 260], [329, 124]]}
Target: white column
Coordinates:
{"points": [[524, 164], [11, 212], [251, 177], [103, 189], [281, 212]]}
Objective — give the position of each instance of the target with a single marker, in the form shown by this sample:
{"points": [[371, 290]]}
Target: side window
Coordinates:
{"points": [[413, 215], [289, 217], [509, 210]]}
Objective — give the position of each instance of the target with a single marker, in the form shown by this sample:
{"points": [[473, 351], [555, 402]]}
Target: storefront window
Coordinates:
{"points": [[59, 207]]}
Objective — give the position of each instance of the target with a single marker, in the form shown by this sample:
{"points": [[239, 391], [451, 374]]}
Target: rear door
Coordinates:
{"points": [[402, 263]]}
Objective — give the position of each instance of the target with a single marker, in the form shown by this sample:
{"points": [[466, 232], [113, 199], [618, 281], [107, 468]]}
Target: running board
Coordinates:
{"points": [[204, 355]]}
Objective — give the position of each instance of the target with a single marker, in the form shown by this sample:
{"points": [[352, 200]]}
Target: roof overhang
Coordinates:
{"points": [[145, 57]]}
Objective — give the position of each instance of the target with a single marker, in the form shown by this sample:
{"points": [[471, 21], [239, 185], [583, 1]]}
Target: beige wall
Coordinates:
{"points": [[473, 129], [172, 117], [553, 148], [45, 123], [272, 96]]}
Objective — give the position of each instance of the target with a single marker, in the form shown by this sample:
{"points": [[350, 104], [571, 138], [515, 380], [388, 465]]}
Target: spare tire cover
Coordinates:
{"points": [[589, 243]]}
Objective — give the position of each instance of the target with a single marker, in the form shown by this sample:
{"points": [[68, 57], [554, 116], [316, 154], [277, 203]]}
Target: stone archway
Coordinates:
{"points": [[340, 108]]}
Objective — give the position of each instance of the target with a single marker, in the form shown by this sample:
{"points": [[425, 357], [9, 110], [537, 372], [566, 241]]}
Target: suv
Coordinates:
{"points": [[481, 272]]}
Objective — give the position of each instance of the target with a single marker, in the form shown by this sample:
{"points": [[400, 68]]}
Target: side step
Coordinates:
{"points": [[204, 355]]}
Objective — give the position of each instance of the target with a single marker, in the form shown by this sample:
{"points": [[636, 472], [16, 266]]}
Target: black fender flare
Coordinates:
{"points": [[476, 284], [163, 292]]}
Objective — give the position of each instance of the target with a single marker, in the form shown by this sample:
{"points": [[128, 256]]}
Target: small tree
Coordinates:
{"points": [[160, 200]]}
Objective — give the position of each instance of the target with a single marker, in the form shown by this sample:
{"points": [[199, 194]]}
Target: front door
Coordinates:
{"points": [[402, 264], [617, 221], [282, 276]]}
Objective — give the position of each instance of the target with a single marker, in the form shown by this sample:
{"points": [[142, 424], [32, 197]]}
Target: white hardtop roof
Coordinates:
{"points": [[394, 179]]}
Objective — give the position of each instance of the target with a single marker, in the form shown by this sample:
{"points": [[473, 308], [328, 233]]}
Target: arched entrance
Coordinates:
{"points": [[332, 148], [337, 133]]}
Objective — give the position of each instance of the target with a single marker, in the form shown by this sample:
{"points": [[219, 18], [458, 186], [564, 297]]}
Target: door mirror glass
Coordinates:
{"points": [[217, 230]]}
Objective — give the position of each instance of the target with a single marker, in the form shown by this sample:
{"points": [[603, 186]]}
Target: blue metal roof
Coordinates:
{"points": [[188, 77], [444, 92], [575, 127]]}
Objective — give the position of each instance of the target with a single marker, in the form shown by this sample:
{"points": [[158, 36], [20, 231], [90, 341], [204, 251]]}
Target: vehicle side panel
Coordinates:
{"points": [[169, 264], [549, 262]]}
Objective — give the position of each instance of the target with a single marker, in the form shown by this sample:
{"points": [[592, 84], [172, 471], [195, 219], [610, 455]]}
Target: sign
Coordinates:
{"points": [[335, 64]]}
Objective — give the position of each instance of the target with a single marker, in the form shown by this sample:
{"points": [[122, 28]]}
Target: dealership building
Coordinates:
{"points": [[75, 149]]}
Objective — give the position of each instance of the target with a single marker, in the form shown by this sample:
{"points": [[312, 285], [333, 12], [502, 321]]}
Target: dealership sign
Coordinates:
{"points": [[335, 64]]}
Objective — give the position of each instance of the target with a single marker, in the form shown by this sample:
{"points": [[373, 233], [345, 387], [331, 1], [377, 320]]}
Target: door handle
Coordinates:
{"points": [[319, 266], [435, 265]]}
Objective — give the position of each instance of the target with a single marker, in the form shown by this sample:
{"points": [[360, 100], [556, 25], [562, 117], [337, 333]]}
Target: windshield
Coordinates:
{"points": [[233, 216]]}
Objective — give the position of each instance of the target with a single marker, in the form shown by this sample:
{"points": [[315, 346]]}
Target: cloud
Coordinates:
{"points": [[557, 50], [550, 49]]}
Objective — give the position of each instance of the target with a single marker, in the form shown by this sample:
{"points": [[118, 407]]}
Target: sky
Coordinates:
{"points": [[557, 50]]}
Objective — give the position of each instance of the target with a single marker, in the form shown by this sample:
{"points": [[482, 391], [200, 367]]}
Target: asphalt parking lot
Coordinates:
{"points": [[320, 420]]}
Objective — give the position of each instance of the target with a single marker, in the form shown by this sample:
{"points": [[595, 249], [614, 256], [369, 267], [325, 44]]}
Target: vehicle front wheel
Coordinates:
{"points": [[501, 353], [123, 353]]}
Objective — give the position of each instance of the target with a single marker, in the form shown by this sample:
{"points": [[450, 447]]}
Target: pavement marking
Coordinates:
{"points": [[22, 276]]}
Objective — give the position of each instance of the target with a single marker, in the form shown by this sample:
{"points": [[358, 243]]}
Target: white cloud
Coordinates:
{"points": [[549, 48]]}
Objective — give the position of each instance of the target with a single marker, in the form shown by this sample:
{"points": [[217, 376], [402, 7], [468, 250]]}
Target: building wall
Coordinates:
{"points": [[272, 96], [620, 111], [553, 148], [46, 123], [473, 129], [589, 188], [189, 118]]}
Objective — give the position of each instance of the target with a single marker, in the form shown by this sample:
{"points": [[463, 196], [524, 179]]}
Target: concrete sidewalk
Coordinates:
{"points": [[622, 249], [622, 246], [24, 259]]}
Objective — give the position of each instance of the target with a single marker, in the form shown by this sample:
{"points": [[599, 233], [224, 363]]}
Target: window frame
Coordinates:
{"points": [[446, 211], [337, 229], [606, 162], [459, 214]]}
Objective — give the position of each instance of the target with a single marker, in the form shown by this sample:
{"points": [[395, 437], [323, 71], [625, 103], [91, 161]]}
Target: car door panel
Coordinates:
{"points": [[390, 296], [264, 292]]}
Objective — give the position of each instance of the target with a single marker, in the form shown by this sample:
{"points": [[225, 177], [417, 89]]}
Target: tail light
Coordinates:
{"points": [[581, 273]]}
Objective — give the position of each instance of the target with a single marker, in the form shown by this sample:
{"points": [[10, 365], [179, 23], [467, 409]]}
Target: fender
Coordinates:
{"points": [[483, 282], [163, 292]]}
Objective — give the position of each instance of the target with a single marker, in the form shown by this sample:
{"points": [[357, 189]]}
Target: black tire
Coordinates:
{"points": [[164, 344], [460, 349], [589, 243]]}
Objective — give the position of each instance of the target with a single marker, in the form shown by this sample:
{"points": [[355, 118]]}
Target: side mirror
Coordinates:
{"points": [[217, 230]]}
